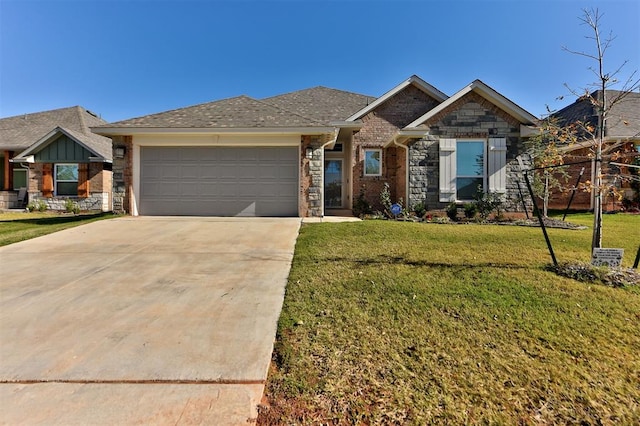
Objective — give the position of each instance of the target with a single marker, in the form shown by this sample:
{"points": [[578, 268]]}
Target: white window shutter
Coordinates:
{"points": [[497, 169], [447, 170]]}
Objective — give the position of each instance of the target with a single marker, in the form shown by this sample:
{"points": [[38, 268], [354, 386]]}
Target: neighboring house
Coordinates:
{"points": [[53, 156], [315, 151], [621, 146]]}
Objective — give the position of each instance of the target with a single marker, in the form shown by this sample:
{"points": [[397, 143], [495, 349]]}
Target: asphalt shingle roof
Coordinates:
{"points": [[322, 103], [20, 132], [623, 120], [238, 112], [313, 107]]}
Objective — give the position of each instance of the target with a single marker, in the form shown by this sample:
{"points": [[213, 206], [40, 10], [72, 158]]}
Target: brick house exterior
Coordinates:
{"points": [[52, 157], [621, 147], [347, 145]]}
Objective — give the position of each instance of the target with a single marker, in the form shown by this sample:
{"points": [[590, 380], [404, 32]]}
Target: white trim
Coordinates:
{"points": [[135, 177], [447, 170], [364, 162], [497, 165], [217, 140], [131, 131], [415, 80], [486, 92]]}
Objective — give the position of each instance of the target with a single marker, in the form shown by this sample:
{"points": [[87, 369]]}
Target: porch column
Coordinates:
{"points": [[7, 179]]}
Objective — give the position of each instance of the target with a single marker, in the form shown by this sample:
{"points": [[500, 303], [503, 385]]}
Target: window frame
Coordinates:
{"points": [[483, 175], [56, 180], [364, 168]]}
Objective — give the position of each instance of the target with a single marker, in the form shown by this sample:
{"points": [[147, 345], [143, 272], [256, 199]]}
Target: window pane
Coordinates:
{"points": [[67, 188], [470, 158], [372, 163], [19, 179], [68, 172], [468, 188]]}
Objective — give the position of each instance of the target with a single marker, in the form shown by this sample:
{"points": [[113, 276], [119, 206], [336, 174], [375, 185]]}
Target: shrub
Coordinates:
{"points": [[488, 202], [39, 206], [452, 211], [420, 209], [71, 207], [361, 206], [470, 210]]}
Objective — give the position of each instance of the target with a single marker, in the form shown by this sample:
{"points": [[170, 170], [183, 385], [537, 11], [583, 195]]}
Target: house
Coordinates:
{"points": [[53, 156], [316, 151], [621, 146]]}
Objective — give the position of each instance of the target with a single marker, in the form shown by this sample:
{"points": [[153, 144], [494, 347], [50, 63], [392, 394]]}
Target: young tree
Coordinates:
{"points": [[597, 94], [547, 159]]}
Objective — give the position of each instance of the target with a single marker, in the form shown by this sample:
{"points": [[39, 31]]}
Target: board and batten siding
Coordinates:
{"points": [[63, 150]]}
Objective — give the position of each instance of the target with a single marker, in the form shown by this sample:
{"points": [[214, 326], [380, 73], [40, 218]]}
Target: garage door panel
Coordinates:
{"points": [[219, 181]]}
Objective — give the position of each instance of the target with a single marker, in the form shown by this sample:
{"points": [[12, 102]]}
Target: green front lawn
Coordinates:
{"points": [[16, 227], [410, 323]]}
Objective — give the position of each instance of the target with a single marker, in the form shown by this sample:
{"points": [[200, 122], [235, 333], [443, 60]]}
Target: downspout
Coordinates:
{"points": [[406, 170], [322, 147]]}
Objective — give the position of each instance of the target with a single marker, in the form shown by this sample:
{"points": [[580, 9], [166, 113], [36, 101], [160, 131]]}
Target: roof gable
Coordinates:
{"points": [[102, 151], [486, 92], [240, 112], [21, 132], [413, 80], [320, 103]]}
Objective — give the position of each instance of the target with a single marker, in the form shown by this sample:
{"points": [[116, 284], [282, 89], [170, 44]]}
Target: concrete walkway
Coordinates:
{"points": [[142, 321]]}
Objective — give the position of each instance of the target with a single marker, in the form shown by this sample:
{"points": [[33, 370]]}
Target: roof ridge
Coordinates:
{"points": [[83, 125]]}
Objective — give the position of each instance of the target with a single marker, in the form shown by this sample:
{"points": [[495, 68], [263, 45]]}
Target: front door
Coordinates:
{"points": [[333, 184]]}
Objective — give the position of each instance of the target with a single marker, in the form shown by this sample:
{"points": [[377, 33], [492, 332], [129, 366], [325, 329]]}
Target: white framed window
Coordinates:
{"points": [[66, 179], [373, 162], [469, 165], [470, 168]]}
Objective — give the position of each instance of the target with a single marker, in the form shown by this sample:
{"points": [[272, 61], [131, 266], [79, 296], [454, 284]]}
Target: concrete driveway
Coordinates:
{"points": [[142, 320]]}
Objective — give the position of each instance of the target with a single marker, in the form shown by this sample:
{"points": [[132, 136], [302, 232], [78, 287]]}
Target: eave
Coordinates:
{"points": [[272, 131], [401, 137]]}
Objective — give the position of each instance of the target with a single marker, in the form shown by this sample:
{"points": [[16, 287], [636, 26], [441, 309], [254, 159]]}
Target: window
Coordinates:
{"points": [[19, 178], [469, 169], [469, 165], [66, 179], [372, 162]]}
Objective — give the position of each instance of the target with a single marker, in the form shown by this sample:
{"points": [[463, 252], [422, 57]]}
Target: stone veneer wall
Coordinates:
{"points": [[473, 118], [95, 201], [378, 128], [311, 182], [122, 178]]}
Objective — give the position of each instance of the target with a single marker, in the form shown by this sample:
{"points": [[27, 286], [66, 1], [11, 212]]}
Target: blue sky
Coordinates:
{"points": [[123, 59]]}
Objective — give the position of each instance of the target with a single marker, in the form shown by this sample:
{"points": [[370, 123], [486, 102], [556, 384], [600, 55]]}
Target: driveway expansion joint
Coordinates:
{"points": [[135, 382]]}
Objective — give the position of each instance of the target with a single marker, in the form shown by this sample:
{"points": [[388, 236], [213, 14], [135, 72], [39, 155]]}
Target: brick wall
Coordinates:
{"points": [[378, 128]]}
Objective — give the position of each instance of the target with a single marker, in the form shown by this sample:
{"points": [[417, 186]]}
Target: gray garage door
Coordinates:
{"points": [[221, 181]]}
